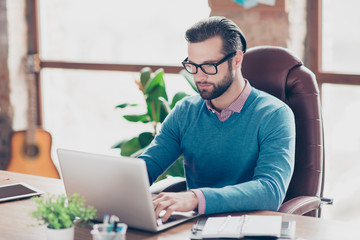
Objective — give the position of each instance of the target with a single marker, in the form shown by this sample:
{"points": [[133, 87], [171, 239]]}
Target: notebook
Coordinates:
{"points": [[242, 226], [114, 185]]}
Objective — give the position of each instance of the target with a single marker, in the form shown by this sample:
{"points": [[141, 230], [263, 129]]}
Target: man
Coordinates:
{"points": [[238, 142]]}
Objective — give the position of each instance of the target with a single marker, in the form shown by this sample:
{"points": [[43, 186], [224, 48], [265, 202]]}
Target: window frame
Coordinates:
{"points": [[34, 49], [314, 54], [315, 49]]}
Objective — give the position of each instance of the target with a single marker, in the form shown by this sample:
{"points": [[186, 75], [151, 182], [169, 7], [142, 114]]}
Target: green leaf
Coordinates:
{"points": [[157, 92], [145, 139], [175, 170], [124, 105], [178, 96], [131, 146], [119, 144], [158, 106], [145, 75], [150, 111], [165, 105], [157, 85], [189, 78], [154, 104], [163, 113], [137, 118]]}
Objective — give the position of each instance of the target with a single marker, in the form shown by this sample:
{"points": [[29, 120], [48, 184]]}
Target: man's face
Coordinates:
{"points": [[209, 51]]}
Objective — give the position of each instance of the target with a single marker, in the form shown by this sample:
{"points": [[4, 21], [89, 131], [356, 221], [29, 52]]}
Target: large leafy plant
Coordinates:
{"points": [[158, 106]]}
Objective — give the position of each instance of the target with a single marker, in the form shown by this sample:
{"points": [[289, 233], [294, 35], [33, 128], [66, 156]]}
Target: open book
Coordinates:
{"points": [[242, 226]]}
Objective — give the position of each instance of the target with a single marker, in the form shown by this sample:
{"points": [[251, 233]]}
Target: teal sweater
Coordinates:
{"points": [[244, 163]]}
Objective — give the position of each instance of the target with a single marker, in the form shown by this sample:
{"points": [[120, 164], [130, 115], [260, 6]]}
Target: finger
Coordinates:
{"points": [[163, 205], [155, 196], [168, 213], [158, 198]]}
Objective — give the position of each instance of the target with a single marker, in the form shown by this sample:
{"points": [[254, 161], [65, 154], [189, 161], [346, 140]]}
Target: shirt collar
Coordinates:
{"points": [[238, 104]]}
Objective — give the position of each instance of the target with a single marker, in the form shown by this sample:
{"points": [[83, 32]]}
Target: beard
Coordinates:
{"points": [[218, 89]]}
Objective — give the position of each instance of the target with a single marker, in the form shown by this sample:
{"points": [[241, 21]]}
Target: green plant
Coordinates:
{"points": [[158, 106], [61, 211]]}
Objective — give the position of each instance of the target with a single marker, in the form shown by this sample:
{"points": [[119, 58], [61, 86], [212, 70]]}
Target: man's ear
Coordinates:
{"points": [[238, 58]]}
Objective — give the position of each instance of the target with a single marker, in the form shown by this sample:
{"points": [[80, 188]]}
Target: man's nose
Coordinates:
{"points": [[200, 75]]}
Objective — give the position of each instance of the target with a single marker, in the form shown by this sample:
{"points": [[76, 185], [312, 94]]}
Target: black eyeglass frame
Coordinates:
{"points": [[227, 57]]}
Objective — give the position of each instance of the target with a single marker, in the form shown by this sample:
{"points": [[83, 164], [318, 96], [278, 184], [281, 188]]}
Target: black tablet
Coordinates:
{"points": [[16, 191]]}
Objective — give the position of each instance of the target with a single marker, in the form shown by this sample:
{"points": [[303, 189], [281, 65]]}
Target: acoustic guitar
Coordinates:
{"points": [[31, 149]]}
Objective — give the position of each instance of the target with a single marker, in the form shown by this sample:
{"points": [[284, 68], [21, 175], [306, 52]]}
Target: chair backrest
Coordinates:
{"points": [[279, 72]]}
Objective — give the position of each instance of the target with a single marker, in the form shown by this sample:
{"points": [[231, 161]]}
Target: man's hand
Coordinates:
{"points": [[170, 202]]}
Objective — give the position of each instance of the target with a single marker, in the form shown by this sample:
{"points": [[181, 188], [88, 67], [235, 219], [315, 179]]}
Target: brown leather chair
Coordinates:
{"points": [[279, 72]]}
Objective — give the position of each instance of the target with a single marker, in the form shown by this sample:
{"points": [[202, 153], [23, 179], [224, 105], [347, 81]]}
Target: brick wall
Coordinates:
{"points": [[13, 93], [282, 25], [5, 107]]}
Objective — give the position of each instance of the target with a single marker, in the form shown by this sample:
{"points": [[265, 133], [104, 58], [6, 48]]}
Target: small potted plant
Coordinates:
{"points": [[60, 213]]}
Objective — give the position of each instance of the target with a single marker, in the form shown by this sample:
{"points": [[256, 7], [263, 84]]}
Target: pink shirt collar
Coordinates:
{"points": [[235, 106]]}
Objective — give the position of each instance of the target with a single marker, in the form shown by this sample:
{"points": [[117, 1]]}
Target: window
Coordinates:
{"points": [[340, 43], [80, 113], [117, 31], [334, 58], [80, 40]]}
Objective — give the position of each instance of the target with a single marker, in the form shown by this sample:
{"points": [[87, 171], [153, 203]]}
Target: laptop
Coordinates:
{"points": [[114, 185]]}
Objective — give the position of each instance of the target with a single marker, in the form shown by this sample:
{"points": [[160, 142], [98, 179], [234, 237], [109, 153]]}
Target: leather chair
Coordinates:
{"points": [[280, 73]]}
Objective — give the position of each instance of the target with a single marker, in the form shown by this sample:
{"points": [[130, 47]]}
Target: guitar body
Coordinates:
{"points": [[32, 158]]}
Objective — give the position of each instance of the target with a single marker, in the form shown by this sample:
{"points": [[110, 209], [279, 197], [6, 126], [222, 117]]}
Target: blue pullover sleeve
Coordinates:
{"points": [[164, 150]]}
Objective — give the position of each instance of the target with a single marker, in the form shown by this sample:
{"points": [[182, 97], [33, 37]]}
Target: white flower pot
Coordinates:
{"points": [[60, 234]]}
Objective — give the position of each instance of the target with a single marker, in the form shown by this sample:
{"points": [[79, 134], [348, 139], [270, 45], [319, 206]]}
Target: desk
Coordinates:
{"points": [[15, 221]]}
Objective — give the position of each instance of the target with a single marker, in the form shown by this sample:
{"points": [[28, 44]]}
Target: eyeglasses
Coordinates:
{"points": [[208, 68]]}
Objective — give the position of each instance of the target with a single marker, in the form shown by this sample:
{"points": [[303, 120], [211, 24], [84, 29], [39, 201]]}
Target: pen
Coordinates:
{"points": [[199, 226], [115, 226], [223, 225], [106, 218], [113, 220], [110, 227], [105, 221]]}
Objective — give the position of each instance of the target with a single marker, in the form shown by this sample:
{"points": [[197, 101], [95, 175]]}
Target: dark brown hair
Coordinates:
{"points": [[232, 37]]}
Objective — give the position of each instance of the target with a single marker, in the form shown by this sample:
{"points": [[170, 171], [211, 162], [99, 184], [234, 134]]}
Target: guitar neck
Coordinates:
{"points": [[31, 115], [33, 66]]}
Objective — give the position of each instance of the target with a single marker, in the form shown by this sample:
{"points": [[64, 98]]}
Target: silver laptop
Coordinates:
{"points": [[114, 185]]}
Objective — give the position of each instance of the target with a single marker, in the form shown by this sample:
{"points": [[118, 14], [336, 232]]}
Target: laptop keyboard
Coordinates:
{"points": [[173, 217]]}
